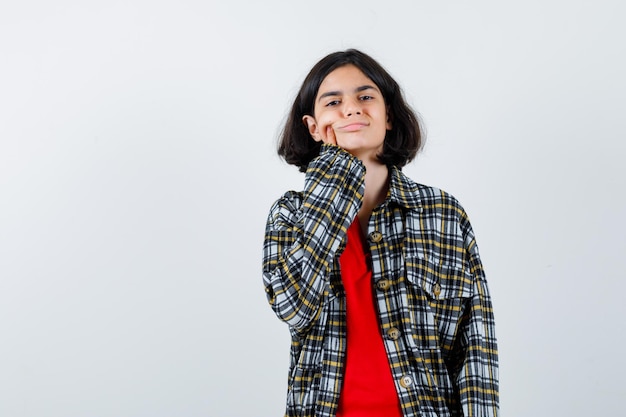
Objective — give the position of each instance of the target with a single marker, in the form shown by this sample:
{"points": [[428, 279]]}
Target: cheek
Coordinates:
{"points": [[325, 118]]}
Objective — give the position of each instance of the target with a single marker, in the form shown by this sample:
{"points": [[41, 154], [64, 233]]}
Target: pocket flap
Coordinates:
{"points": [[440, 282]]}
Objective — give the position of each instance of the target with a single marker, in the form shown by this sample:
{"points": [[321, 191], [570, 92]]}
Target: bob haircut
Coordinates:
{"points": [[402, 142]]}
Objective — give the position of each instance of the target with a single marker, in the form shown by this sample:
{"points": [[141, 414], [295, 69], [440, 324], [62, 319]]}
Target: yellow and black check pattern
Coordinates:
{"points": [[434, 308]]}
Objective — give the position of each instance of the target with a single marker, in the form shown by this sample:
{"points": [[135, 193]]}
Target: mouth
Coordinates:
{"points": [[353, 127]]}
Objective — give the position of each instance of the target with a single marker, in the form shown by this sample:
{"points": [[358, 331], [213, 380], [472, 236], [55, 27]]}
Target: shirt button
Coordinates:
{"points": [[406, 381], [437, 289], [376, 237], [383, 284], [393, 333]]}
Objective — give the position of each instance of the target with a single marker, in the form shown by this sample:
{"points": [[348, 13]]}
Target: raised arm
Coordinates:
{"points": [[304, 232]]}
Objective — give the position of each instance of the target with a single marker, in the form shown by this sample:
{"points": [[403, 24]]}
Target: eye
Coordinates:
{"points": [[332, 103], [364, 98]]}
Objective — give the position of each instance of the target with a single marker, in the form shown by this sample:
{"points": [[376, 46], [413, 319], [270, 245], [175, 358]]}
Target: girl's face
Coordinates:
{"points": [[350, 112]]}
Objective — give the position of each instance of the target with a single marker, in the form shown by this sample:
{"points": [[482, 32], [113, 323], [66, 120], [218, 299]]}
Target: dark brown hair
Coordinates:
{"points": [[401, 143]]}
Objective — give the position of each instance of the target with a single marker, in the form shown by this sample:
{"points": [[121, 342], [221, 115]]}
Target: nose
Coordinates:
{"points": [[351, 107]]}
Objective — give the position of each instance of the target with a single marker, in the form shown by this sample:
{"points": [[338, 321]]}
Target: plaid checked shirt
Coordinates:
{"points": [[434, 308]]}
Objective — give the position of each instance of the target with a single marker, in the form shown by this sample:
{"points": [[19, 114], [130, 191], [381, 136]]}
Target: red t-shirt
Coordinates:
{"points": [[368, 389]]}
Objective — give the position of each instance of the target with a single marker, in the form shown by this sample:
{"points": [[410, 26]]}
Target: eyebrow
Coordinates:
{"points": [[338, 93]]}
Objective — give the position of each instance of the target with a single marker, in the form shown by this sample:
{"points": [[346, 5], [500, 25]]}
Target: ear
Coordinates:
{"points": [[311, 124]]}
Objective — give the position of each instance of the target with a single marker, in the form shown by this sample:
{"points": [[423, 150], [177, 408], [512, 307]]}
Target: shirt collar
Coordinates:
{"points": [[402, 190]]}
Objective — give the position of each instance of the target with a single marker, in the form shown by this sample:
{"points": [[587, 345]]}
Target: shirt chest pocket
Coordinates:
{"points": [[439, 282], [438, 297]]}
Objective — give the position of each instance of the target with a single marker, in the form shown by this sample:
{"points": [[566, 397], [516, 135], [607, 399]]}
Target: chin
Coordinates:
{"points": [[359, 146]]}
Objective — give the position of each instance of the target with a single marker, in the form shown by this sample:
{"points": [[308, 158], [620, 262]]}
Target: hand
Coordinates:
{"points": [[320, 132], [329, 136]]}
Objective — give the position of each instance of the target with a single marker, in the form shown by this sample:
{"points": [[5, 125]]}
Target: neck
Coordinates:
{"points": [[376, 187]]}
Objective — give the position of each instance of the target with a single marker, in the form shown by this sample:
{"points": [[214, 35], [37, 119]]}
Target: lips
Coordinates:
{"points": [[353, 127]]}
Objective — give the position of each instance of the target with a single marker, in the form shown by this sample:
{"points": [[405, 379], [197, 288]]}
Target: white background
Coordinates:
{"points": [[137, 166]]}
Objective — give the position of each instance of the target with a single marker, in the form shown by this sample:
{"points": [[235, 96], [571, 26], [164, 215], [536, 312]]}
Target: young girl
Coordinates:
{"points": [[378, 277]]}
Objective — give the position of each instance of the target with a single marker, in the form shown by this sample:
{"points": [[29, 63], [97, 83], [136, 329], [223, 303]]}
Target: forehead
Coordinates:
{"points": [[344, 79]]}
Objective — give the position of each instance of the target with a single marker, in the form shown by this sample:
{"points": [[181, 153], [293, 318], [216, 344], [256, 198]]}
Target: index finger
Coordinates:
{"points": [[330, 135]]}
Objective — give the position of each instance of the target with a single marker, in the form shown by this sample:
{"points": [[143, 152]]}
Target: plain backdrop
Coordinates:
{"points": [[138, 164]]}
